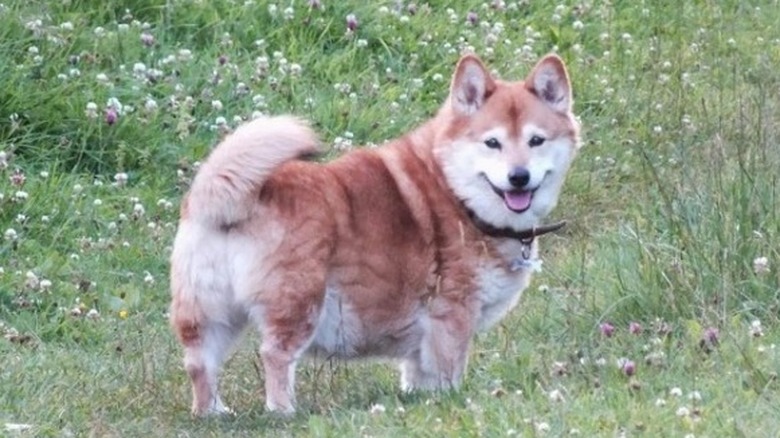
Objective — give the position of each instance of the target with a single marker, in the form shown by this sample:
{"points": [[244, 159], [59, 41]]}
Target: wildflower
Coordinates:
{"points": [[31, 280], [627, 366], [147, 39], [123, 314], [607, 329], [682, 411], [676, 392], [148, 279], [10, 234], [352, 23], [20, 196], [711, 336], [150, 105], [17, 178], [377, 409], [120, 179], [472, 18], [138, 210], [93, 314], [556, 395], [185, 55], [91, 110], [755, 329], [659, 402], [542, 427], [634, 328], [111, 116], [760, 265]]}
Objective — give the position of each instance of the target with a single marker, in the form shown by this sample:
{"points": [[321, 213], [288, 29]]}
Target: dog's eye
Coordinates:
{"points": [[492, 143], [536, 141]]}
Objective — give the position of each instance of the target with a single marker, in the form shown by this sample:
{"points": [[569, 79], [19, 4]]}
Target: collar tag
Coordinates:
{"points": [[534, 265]]}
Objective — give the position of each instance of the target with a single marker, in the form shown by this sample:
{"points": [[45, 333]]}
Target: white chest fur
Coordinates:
{"points": [[501, 281]]}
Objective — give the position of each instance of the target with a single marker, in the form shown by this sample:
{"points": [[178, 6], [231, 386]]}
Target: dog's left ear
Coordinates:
{"points": [[471, 85], [550, 82]]}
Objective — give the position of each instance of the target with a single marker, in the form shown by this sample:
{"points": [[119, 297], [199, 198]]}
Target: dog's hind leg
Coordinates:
{"points": [[290, 318], [203, 360], [208, 331]]}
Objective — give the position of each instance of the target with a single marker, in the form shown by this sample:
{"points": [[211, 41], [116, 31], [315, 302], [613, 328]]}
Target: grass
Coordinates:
{"points": [[673, 204]]}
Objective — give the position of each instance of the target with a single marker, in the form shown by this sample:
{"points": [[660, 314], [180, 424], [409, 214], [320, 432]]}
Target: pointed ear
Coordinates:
{"points": [[471, 85], [550, 82]]}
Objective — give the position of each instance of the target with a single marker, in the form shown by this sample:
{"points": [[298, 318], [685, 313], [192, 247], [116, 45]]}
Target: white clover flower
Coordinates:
{"points": [[216, 105], [185, 55], [150, 105], [556, 395], [675, 392], [20, 196], [93, 314], [91, 110], [377, 409], [761, 265], [31, 280], [756, 330], [115, 104]]}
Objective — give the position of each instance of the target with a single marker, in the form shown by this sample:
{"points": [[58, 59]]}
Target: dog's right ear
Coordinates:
{"points": [[471, 85]]}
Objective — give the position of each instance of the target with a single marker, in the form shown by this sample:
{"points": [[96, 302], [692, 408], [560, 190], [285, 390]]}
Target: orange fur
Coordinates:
{"points": [[375, 254]]}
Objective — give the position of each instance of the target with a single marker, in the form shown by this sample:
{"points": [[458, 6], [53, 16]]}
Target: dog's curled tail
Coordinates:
{"points": [[240, 165]]}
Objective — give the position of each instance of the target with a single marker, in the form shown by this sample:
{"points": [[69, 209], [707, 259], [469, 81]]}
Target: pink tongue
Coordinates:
{"points": [[517, 199]]}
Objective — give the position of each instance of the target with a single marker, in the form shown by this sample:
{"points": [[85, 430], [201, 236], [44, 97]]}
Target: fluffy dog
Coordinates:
{"points": [[401, 252]]}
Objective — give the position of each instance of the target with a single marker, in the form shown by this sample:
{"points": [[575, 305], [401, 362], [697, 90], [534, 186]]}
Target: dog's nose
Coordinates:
{"points": [[519, 177]]}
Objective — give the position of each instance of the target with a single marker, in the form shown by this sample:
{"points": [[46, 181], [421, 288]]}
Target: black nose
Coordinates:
{"points": [[519, 177]]}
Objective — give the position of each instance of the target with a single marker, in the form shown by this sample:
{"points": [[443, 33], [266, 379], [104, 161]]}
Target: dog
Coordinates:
{"points": [[400, 252]]}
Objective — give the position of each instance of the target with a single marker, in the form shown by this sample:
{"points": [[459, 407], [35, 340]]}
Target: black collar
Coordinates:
{"points": [[525, 236]]}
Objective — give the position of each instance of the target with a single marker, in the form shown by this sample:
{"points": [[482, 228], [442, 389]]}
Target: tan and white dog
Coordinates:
{"points": [[401, 252]]}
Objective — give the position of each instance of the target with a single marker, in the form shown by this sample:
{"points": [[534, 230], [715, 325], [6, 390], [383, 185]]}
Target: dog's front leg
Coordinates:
{"points": [[441, 359]]}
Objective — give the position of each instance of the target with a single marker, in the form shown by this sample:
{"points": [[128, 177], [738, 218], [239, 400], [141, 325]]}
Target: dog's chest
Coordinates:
{"points": [[501, 280]]}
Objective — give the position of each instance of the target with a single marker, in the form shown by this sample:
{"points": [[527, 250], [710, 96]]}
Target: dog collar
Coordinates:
{"points": [[526, 236]]}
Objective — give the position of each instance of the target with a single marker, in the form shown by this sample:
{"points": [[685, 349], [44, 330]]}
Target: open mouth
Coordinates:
{"points": [[517, 200]]}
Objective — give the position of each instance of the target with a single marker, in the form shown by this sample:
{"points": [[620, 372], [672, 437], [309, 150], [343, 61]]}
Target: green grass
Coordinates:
{"points": [[672, 199]]}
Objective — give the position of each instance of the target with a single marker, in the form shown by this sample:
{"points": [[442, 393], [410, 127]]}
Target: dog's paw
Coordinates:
{"points": [[217, 409]]}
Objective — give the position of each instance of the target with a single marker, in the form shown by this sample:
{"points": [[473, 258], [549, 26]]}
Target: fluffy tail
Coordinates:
{"points": [[241, 163]]}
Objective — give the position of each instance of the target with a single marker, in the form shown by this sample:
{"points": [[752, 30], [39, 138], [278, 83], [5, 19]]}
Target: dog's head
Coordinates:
{"points": [[505, 147]]}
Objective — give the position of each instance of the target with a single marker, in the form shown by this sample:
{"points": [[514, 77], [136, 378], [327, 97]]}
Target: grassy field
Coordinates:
{"points": [[657, 313]]}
